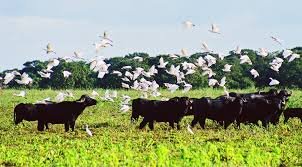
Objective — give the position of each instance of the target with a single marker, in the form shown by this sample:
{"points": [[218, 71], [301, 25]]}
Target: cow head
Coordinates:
{"points": [[87, 101], [18, 114]]}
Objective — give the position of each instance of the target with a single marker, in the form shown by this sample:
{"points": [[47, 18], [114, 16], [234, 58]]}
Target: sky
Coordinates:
{"points": [[154, 27]]}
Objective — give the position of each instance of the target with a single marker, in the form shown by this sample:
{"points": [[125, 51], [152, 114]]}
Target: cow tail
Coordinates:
{"points": [[15, 116]]}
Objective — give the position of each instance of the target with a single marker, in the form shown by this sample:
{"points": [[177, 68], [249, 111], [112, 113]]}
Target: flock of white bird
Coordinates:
{"points": [[144, 84]]}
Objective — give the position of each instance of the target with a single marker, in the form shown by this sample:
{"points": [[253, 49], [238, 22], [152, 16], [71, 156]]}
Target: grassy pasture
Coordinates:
{"points": [[117, 142]]}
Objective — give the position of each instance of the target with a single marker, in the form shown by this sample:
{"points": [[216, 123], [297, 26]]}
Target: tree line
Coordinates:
{"points": [[289, 75]]}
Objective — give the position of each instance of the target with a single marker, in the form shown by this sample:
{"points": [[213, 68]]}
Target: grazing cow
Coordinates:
{"points": [[65, 112], [292, 113], [171, 111], [225, 110], [28, 112], [272, 94], [261, 109]]}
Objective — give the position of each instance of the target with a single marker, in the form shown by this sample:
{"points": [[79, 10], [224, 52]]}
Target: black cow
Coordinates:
{"points": [[27, 111], [65, 112], [259, 97], [292, 113], [224, 110], [171, 111], [261, 109]]}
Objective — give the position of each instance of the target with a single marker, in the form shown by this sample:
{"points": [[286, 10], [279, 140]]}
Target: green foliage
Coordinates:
{"points": [[82, 77]]}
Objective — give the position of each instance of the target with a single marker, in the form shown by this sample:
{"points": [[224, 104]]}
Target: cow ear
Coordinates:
{"points": [[82, 99]]}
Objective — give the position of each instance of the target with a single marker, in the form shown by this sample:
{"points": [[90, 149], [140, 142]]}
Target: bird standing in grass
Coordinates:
{"points": [[88, 131]]}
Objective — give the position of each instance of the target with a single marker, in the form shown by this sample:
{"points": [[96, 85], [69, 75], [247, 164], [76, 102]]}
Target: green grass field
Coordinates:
{"points": [[117, 142]]}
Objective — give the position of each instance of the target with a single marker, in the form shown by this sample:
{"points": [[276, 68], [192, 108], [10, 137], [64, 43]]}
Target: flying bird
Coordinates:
{"points": [[215, 29], [273, 82], [254, 73], [263, 52], [162, 63], [105, 36], [188, 24], [44, 75], [245, 59], [49, 49], [227, 68], [293, 57], [66, 74], [277, 40]]}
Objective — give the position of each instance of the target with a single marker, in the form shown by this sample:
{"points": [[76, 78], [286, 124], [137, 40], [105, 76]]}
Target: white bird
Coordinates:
{"points": [[10, 76], [227, 68], [188, 24], [210, 59], [102, 44], [173, 70], [44, 101], [190, 130], [237, 50], [200, 62], [173, 56], [293, 57], [139, 59], [286, 53], [126, 99], [124, 108], [126, 67], [124, 85], [208, 71], [226, 91], [222, 81], [94, 94], [52, 63], [184, 52], [213, 82], [25, 79], [78, 55], [118, 73], [205, 47], [162, 63], [187, 87], [245, 59], [66, 74], [273, 82], [105, 36], [88, 131], [215, 29], [21, 94], [254, 73], [171, 87], [279, 41], [44, 75], [60, 97], [190, 71], [49, 49], [263, 52]]}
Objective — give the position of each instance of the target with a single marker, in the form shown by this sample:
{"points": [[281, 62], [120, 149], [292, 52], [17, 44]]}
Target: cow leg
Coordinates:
{"points": [[264, 123], [286, 119], [194, 122], [171, 124], [202, 123], [72, 123], [46, 125], [40, 126], [178, 126], [143, 123], [66, 126], [227, 124], [151, 125]]}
